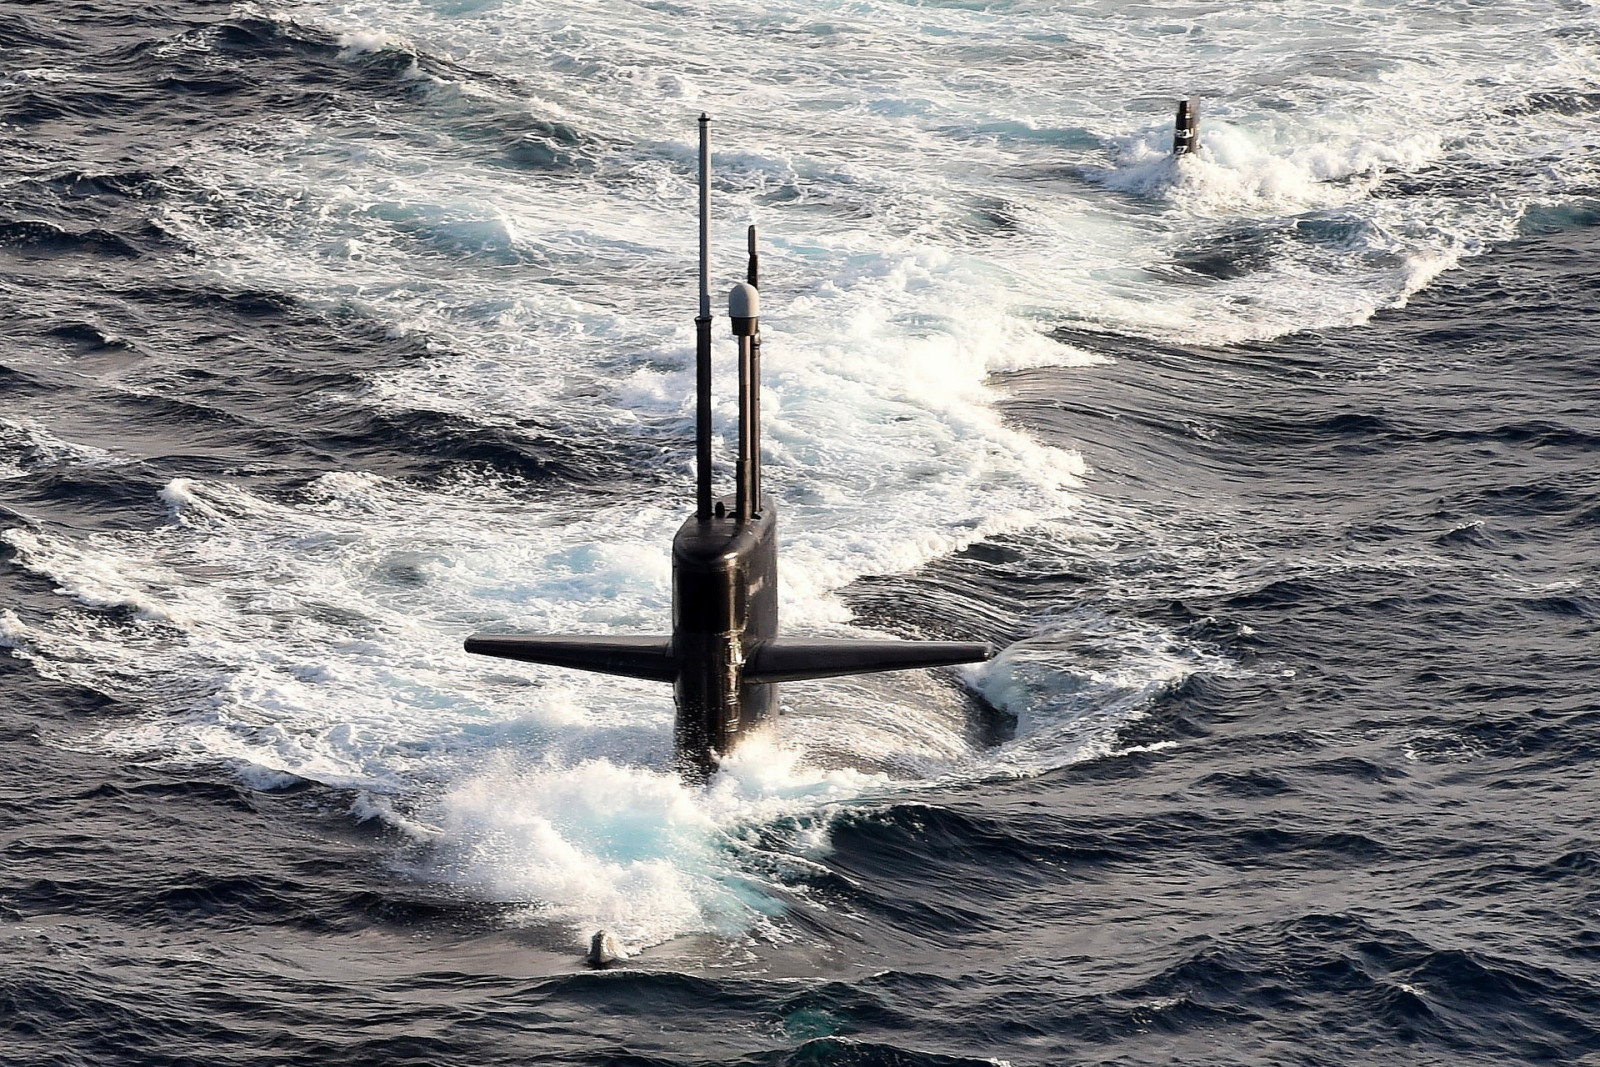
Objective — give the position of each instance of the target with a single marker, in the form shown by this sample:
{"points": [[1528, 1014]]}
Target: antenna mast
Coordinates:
{"points": [[744, 309], [702, 324]]}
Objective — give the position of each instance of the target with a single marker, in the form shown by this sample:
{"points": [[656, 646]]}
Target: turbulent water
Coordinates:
{"points": [[333, 332]]}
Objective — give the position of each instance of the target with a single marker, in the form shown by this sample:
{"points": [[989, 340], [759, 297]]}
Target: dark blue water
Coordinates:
{"points": [[1364, 834]]}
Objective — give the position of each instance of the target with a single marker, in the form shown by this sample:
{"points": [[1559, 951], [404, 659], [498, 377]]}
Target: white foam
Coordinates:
{"points": [[284, 648], [13, 631], [364, 42]]}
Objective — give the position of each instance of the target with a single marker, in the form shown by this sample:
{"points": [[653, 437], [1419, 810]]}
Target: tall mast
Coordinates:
{"points": [[753, 277], [702, 324], [744, 309]]}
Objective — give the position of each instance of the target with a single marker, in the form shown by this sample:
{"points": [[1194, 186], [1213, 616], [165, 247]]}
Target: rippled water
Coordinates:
{"points": [[334, 332]]}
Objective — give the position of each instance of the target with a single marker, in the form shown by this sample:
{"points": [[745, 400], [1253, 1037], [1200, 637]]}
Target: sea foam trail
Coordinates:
{"points": [[1306, 114], [318, 640]]}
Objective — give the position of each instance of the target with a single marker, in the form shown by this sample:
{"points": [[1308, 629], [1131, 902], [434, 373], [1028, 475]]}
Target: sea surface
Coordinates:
{"points": [[332, 332]]}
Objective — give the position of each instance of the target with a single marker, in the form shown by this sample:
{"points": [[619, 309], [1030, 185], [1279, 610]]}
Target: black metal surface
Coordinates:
{"points": [[631, 657], [702, 343], [702, 417], [792, 659], [747, 466], [724, 601], [1186, 129]]}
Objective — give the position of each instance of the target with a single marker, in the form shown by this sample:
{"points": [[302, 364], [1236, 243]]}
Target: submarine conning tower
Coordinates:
{"points": [[724, 657]]}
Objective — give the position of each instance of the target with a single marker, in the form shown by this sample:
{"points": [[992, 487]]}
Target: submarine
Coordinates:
{"points": [[724, 656]]}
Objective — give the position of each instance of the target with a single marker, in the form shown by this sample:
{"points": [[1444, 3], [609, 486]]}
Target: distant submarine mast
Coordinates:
{"points": [[724, 656], [1186, 128]]}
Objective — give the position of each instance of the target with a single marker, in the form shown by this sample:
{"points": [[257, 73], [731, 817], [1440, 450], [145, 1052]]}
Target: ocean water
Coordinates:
{"points": [[333, 332]]}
